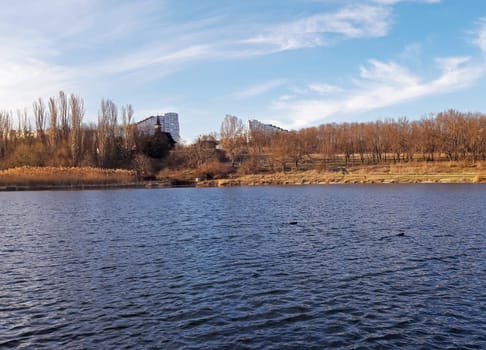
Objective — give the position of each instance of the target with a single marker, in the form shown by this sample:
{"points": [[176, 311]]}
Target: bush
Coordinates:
{"points": [[213, 170], [143, 166], [28, 155]]}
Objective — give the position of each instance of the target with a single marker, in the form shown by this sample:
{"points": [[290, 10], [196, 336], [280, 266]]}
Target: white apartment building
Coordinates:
{"points": [[254, 125], [169, 122]]}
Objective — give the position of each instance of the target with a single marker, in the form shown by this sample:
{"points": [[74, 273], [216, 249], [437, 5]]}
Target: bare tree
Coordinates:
{"points": [[279, 151], [76, 112], [63, 110], [232, 138], [257, 144], [143, 166], [128, 129], [5, 128], [40, 119], [107, 124], [53, 116], [24, 126]]}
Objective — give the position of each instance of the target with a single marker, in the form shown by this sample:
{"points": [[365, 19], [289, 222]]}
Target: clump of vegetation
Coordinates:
{"points": [[65, 176], [213, 170]]}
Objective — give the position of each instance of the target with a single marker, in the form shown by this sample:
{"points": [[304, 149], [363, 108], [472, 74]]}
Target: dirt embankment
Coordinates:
{"points": [[449, 173]]}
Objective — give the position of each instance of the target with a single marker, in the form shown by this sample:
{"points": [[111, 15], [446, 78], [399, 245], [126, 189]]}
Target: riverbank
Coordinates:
{"points": [[52, 178], [388, 174]]}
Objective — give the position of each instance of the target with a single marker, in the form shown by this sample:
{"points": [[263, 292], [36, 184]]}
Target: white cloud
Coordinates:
{"points": [[150, 58], [26, 73], [94, 35], [382, 84], [200, 43], [259, 89], [451, 64], [396, 85], [412, 54], [480, 41], [392, 2], [41, 59], [388, 73], [324, 89], [350, 22], [50, 45]]}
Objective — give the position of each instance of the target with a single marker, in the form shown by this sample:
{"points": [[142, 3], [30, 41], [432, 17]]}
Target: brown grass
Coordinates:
{"points": [[182, 174], [64, 176], [434, 172], [440, 172]]}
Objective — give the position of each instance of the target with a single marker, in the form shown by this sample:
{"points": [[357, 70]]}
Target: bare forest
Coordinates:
{"points": [[448, 136], [55, 134]]}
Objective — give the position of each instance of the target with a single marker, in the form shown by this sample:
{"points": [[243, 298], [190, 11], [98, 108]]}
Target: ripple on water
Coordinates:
{"points": [[221, 268]]}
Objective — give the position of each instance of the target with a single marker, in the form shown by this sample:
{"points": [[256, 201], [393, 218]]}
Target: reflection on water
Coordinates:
{"points": [[365, 266]]}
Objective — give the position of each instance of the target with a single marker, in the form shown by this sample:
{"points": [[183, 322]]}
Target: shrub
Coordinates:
{"points": [[213, 170]]}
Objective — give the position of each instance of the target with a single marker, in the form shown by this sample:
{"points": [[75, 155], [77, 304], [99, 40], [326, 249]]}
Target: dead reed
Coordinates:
{"points": [[65, 176]]}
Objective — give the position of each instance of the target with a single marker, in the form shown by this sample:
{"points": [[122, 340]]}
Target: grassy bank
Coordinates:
{"points": [[447, 172], [40, 178], [64, 177]]}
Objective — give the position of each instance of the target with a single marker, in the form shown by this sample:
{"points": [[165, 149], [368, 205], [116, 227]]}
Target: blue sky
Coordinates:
{"points": [[294, 63]]}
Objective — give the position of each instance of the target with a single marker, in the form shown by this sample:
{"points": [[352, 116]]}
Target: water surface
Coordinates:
{"points": [[364, 267]]}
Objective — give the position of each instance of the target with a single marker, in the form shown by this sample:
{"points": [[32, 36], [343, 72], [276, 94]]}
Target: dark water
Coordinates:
{"points": [[364, 267]]}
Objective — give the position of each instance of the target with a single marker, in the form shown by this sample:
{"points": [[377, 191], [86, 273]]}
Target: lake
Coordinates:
{"points": [[344, 266]]}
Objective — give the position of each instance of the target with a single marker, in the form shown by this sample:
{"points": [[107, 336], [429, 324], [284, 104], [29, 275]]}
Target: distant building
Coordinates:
{"points": [[168, 122], [254, 125]]}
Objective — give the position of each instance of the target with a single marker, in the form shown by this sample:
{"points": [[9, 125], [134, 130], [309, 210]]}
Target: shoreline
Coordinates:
{"points": [[83, 179], [230, 183], [64, 187], [348, 180], [239, 182], [452, 173]]}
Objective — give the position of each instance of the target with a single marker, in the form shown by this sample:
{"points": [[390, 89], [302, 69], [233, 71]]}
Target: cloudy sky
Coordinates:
{"points": [[294, 63]]}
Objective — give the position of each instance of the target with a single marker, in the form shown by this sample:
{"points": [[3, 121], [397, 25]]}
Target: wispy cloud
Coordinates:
{"points": [[324, 89], [382, 84], [386, 73], [53, 45], [26, 74], [201, 43], [322, 29], [392, 2], [102, 41], [480, 39], [152, 58], [259, 89], [41, 58]]}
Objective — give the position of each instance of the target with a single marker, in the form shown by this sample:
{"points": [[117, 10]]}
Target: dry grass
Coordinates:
{"points": [[182, 174], [64, 176], [436, 172], [436, 168], [440, 172]]}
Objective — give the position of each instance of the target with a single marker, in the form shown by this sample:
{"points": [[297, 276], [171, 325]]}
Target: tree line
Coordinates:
{"points": [[450, 135], [56, 135]]}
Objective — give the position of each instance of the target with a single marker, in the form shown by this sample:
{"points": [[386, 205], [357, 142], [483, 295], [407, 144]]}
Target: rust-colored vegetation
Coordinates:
{"points": [[65, 176]]}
